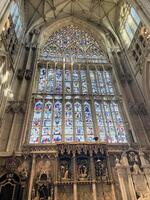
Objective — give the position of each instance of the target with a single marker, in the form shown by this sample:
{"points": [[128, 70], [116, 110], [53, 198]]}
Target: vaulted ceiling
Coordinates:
{"points": [[104, 12]]}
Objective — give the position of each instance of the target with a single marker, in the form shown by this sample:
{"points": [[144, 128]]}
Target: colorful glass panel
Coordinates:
{"points": [[47, 121], [89, 121], [41, 80], [76, 83], [58, 81], [57, 122], [93, 82], [36, 122], [50, 81], [78, 122], [68, 121], [84, 82]]}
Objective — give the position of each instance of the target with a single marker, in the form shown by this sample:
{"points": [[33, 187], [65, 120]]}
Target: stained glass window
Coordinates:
{"points": [[15, 15], [75, 102], [129, 22], [72, 42]]}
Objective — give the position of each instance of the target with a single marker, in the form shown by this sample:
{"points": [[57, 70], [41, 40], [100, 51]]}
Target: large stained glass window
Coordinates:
{"points": [[75, 100], [78, 105]]}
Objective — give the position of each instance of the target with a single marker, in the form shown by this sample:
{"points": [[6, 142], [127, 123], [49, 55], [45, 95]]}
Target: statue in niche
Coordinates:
{"points": [[132, 158], [24, 173], [100, 168], [136, 169], [83, 172], [134, 162], [43, 189], [64, 170]]}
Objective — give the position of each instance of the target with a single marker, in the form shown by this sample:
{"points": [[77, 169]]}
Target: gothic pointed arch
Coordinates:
{"points": [[75, 99]]}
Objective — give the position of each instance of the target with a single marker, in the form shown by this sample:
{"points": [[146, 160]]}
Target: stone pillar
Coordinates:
{"points": [[120, 172], [75, 195], [28, 67], [93, 176], [94, 191], [131, 186], [11, 135], [146, 167], [31, 177], [56, 178]]}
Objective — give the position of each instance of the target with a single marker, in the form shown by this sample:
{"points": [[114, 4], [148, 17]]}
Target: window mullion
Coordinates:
{"points": [[63, 103]]}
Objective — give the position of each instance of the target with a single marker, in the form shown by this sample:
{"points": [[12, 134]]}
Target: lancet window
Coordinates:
{"points": [[129, 22]]}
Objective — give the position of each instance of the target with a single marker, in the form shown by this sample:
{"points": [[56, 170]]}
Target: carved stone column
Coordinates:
{"points": [[56, 178], [131, 186], [146, 167], [120, 172], [31, 176], [27, 70], [75, 197], [93, 176]]}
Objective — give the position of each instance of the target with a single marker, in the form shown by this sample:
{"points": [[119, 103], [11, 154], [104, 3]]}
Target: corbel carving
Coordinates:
{"points": [[27, 45], [133, 108], [28, 74], [20, 74], [16, 107], [34, 46], [142, 110]]}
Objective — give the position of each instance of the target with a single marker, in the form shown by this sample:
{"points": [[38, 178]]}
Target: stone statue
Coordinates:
{"points": [[24, 173], [136, 169], [100, 169], [145, 196], [64, 172], [83, 172]]}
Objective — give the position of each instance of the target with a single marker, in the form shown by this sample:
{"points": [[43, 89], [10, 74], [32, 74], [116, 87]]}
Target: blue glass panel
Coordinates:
{"points": [[102, 89], [84, 81], [50, 81], [78, 119], [93, 82], [58, 81], [135, 16], [68, 119], [88, 119], [67, 87], [41, 82]]}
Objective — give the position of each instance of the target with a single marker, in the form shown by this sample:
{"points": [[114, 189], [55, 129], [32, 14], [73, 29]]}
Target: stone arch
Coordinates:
{"points": [[98, 35], [99, 32]]}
